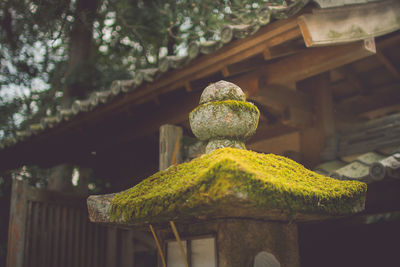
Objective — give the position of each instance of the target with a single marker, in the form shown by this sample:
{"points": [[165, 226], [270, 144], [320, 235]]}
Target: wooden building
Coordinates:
{"points": [[325, 76]]}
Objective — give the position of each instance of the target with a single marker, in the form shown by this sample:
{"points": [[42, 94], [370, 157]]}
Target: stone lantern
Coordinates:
{"points": [[230, 207], [224, 118]]}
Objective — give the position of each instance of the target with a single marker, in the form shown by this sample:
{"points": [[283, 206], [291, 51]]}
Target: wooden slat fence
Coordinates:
{"points": [[52, 229], [61, 235]]}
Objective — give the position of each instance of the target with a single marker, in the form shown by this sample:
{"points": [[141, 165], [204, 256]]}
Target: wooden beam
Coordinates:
{"points": [[379, 98], [388, 64], [242, 67], [293, 107], [313, 139], [282, 45], [282, 50], [277, 145], [238, 57], [308, 63], [272, 95], [266, 131]]}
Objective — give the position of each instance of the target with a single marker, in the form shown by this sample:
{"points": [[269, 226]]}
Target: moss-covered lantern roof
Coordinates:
{"points": [[231, 182]]}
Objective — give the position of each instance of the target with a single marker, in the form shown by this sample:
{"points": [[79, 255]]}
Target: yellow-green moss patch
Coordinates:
{"points": [[234, 105], [266, 181]]}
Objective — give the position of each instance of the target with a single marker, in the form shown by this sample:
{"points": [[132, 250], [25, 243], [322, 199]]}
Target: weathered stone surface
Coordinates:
{"points": [[220, 91], [224, 120], [239, 241], [99, 207], [218, 143], [224, 117]]}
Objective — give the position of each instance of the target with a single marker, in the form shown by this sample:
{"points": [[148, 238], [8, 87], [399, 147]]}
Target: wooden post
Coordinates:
{"points": [[127, 249], [112, 246], [313, 139], [17, 225], [170, 146]]}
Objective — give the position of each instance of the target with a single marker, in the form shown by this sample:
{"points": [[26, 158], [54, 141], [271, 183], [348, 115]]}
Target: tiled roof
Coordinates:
{"points": [[364, 137], [149, 75], [369, 136], [368, 167], [366, 152]]}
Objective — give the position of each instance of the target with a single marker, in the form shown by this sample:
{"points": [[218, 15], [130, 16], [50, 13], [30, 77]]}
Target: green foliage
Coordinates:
{"points": [[31, 47], [35, 176], [267, 181], [127, 35]]}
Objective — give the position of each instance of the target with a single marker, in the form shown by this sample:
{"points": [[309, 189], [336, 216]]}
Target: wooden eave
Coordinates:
{"points": [[350, 23]]}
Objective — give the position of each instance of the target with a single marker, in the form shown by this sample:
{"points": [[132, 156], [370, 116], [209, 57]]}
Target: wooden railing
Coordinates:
{"points": [[52, 229], [61, 235]]}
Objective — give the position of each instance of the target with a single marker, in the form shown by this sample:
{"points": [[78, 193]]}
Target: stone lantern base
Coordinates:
{"points": [[240, 241]]}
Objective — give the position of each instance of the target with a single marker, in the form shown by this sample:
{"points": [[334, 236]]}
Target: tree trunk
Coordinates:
{"points": [[80, 56], [61, 178], [78, 76], [172, 41]]}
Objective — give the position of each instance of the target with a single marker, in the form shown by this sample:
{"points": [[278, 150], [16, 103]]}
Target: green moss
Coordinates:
{"points": [[357, 32], [264, 180], [236, 106], [334, 34], [353, 32]]}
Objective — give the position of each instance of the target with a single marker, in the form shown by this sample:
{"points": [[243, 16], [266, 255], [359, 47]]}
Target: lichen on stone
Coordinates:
{"points": [[264, 181], [352, 32], [220, 91], [334, 34], [357, 32], [237, 106], [224, 119], [214, 144]]}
